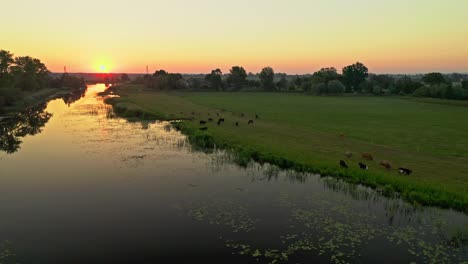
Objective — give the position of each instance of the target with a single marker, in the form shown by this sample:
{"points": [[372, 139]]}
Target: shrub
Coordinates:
{"points": [[335, 86]]}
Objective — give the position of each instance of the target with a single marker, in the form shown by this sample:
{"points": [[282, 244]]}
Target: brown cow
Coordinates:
{"points": [[386, 164], [367, 156]]}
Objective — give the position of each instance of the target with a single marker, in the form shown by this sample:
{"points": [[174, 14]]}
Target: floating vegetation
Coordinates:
{"points": [[224, 213]]}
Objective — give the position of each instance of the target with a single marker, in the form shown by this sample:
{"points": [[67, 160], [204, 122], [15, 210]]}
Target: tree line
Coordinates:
{"points": [[354, 78], [22, 74]]}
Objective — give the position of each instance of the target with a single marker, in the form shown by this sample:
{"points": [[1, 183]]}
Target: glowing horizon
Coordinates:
{"points": [[198, 36]]}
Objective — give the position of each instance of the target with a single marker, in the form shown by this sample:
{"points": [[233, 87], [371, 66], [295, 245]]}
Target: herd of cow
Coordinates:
{"points": [[221, 121], [343, 164], [369, 157]]}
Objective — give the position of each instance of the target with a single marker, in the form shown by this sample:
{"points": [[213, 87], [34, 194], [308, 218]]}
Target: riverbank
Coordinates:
{"points": [[312, 134], [30, 99]]}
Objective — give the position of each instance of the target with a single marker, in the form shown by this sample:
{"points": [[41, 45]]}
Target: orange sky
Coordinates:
{"points": [[196, 36]]}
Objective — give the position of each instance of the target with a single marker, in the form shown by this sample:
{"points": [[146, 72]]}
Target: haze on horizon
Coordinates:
{"points": [[197, 36]]}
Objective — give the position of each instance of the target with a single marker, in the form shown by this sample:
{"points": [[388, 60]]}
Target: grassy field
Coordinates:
{"points": [[313, 133]]}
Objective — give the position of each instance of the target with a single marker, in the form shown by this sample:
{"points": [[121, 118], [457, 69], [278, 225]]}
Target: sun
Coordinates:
{"points": [[102, 66]]}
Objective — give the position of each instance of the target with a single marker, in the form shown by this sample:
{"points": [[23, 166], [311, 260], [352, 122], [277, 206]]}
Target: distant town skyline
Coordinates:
{"points": [[295, 37]]}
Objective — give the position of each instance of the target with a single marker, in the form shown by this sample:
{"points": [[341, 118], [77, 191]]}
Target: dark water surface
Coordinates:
{"points": [[94, 189]]}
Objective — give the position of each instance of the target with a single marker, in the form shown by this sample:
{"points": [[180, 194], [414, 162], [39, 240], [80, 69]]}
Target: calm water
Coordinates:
{"points": [[92, 188]]}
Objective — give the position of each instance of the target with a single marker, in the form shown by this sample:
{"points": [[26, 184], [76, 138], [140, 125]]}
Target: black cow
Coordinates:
{"points": [[363, 166], [237, 123], [217, 114], [210, 119], [221, 120], [242, 114], [405, 171], [343, 164], [250, 122], [256, 116], [203, 128], [219, 123], [202, 122]]}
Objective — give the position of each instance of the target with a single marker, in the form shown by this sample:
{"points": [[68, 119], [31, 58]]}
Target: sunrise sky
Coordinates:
{"points": [[296, 36]]}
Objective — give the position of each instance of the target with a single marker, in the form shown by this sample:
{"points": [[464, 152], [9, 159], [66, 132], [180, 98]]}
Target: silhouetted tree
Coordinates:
{"points": [[354, 75], [326, 74], [215, 79], [282, 84], [237, 77], [434, 78], [267, 77]]}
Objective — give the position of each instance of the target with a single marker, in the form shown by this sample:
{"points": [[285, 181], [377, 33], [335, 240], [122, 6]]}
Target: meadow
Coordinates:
{"points": [[313, 133]]}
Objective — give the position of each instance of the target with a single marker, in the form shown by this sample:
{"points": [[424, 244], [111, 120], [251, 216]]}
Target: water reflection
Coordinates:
{"points": [[29, 122], [26, 123]]}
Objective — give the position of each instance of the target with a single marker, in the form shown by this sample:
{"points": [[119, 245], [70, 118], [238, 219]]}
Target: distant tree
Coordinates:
{"points": [[354, 75], [124, 77], [298, 81], [215, 79], [282, 84], [237, 77], [384, 81], [464, 84], [335, 86], [327, 74], [267, 76], [434, 78], [406, 85], [159, 73]]}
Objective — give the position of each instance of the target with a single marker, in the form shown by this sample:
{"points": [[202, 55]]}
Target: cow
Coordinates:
{"points": [[202, 122], [386, 164], [242, 114], [221, 120], [237, 123], [343, 164], [193, 113], [256, 116], [363, 166], [217, 114], [348, 154], [203, 128], [367, 156], [404, 171], [210, 119], [250, 122]]}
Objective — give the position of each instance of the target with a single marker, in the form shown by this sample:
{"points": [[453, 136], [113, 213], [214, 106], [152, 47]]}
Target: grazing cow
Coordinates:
{"points": [[203, 128], [250, 122], [210, 119], [221, 120], [363, 166], [348, 154], [405, 171], [256, 116], [217, 114], [367, 156], [242, 114], [202, 122], [386, 164], [237, 123], [343, 164]]}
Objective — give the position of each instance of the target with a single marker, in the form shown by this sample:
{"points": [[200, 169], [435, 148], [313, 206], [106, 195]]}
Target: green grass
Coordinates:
{"points": [[303, 132]]}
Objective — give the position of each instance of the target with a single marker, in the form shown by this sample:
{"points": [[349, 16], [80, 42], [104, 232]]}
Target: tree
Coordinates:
{"points": [[29, 73], [335, 86], [354, 75], [215, 79], [267, 77], [6, 61], [464, 84], [326, 74], [237, 76], [282, 84], [406, 85], [434, 78], [124, 77]]}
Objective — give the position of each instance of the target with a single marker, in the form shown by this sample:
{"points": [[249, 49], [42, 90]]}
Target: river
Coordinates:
{"points": [[79, 185]]}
